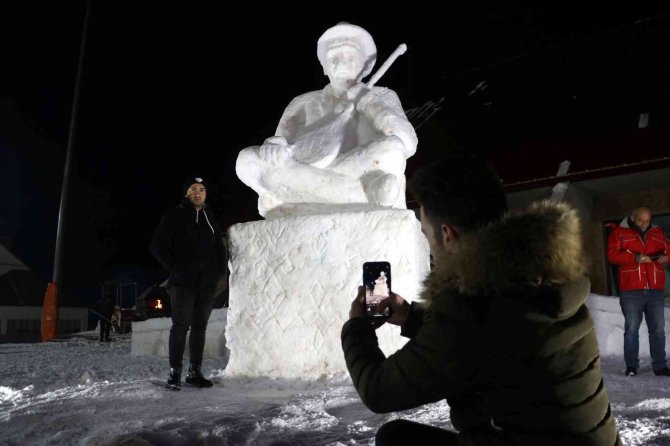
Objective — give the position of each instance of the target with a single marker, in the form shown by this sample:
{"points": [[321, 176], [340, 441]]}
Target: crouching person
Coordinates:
{"points": [[501, 331]]}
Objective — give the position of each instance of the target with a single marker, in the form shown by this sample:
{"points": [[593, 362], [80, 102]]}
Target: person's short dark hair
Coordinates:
{"points": [[462, 190]]}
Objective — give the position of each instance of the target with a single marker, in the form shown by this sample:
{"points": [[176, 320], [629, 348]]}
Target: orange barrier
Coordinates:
{"points": [[50, 313]]}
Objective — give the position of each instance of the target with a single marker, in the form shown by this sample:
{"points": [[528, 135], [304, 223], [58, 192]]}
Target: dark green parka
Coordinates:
{"points": [[503, 333]]}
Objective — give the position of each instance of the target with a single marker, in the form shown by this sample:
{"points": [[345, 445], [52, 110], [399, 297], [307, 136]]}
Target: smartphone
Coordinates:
{"points": [[377, 283]]}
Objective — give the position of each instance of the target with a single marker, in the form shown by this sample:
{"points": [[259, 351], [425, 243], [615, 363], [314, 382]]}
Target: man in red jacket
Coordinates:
{"points": [[640, 250]]}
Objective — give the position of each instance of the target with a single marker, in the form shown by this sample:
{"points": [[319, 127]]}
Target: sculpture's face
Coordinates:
{"points": [[343, 64]]}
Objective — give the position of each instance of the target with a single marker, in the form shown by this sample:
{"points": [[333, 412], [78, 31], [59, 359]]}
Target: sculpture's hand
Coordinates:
{"points": [[345, 108], [371, 106], [357, 92], [275, 150], [276, 140]]}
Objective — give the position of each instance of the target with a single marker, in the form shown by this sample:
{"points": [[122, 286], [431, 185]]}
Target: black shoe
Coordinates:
{"points": [[174, 381], [195, 378], [662, 372], [631, 371]]}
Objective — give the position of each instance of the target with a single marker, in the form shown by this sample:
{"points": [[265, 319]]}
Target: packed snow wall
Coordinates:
{"points": [[292, 281], [609, 322]]}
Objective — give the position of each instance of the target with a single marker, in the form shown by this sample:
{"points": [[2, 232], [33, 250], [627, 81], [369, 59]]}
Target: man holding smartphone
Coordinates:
{"points": [[502, 330], [640, 251]]}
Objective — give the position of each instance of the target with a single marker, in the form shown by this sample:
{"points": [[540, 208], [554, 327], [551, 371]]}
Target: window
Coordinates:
{"points": [[24, 326], [69, 326]]}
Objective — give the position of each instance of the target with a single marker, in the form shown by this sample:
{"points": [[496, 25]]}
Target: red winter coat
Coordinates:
{"points": [[625, 244]]}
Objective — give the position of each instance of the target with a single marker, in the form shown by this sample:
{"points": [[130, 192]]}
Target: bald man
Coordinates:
{"points": [[640, 251]]}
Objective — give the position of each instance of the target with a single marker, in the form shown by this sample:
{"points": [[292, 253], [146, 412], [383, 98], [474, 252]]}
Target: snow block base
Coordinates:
{"points": [[293, 279]]}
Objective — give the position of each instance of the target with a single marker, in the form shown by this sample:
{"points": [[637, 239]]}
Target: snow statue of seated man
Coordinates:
{"points": [[340, 148]]}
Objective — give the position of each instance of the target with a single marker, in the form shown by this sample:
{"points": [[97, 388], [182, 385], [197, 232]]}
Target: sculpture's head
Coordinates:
{"points": [[346, 52]]}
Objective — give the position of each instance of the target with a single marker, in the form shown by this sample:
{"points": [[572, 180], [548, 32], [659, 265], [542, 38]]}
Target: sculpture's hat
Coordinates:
{"points": [[346, 33]]}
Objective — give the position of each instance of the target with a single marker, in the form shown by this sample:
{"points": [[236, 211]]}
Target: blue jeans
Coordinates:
{"points": [[634, 304]]}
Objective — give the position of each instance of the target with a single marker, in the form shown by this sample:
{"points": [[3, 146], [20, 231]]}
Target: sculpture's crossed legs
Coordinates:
{"points": [[373, 173]]}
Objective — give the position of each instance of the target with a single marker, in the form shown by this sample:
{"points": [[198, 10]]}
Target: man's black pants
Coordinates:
{"points": [[104, 329], [403, 432], [190, 308]]}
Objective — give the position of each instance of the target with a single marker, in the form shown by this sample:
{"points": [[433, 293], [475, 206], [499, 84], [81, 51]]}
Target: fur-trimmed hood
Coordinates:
{"points": [[541, 245]]}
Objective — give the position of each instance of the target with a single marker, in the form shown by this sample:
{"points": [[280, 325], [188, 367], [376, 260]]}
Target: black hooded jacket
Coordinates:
{"points": [[188, 244]]}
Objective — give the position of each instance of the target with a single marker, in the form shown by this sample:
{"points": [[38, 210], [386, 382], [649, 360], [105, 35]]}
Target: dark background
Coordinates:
{"points": [[170, 91]]}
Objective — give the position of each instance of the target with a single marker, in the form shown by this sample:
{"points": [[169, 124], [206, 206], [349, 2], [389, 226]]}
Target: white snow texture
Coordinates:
{"points": [[293, 279]]}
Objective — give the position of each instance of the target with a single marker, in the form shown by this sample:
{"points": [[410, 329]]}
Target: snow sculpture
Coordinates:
{"points": [[331, 183], [379, 291], [338, 149]]}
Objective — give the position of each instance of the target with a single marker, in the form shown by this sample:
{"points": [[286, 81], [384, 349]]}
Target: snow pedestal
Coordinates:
{"points": [[292, 281], [609, 322], [151, 337]]}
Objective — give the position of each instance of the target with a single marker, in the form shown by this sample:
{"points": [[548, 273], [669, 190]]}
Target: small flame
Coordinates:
{"points": [[159, 305]]}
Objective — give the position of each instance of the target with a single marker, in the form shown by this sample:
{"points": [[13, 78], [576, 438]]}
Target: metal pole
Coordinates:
{"points": [[50, 308], [57, 273]]}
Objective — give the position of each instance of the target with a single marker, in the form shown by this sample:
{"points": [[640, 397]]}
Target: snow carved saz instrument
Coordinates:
{"points": [[321, 142]]}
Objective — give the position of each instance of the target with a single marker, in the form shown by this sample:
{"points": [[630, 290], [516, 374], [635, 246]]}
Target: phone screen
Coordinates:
{"points": [[377, 282]]}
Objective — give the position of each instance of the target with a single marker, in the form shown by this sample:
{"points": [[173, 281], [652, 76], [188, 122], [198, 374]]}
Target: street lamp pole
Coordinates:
{"points": [[50, 309]]}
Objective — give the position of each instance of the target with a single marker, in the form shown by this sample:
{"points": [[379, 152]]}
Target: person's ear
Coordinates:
{"points": [[448, 233]]}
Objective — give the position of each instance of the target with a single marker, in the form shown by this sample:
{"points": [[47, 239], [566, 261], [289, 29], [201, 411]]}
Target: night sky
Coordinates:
{"points": [[170, 91]]}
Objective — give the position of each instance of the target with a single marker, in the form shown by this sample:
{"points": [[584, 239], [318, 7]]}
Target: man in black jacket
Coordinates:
{"points": [[188, 244]]}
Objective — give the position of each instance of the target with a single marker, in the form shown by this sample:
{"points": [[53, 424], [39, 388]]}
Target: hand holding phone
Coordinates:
{"points": [[400, 309], [377, 284]]}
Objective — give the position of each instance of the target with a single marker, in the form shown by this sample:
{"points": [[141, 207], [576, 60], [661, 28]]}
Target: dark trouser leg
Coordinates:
{"points": [[632, 305], [201, 311], [182, 300], [654, 314], [105, 330], [103, 326], [403, 432]]}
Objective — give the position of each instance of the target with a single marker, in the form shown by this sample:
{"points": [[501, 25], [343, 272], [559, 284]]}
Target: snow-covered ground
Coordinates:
{"points": [[83, 392]]}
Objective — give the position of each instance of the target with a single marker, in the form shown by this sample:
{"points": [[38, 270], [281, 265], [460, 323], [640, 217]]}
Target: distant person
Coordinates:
{"points": [[640, 251], [502, 330], [188, 244], [106, 311]]}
